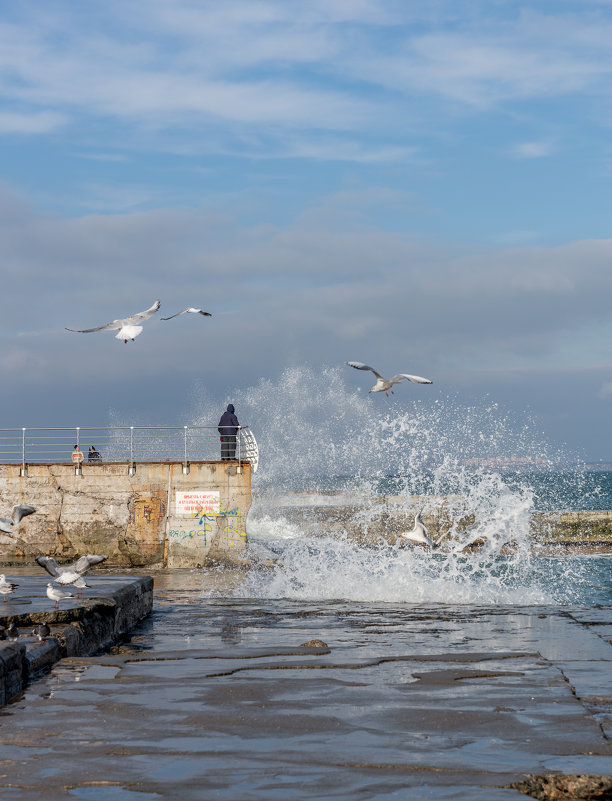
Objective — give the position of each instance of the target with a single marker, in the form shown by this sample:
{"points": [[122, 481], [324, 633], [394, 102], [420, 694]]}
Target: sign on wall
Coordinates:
{"points": [[192, 504]]}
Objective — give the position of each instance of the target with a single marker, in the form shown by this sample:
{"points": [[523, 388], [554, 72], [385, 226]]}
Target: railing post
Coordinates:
{"points": [[24, 469], [132, 467], [239, 468], [185, 462]]}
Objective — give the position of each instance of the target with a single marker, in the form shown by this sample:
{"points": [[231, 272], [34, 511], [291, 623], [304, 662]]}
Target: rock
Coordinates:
{"points": [[557, 787]]}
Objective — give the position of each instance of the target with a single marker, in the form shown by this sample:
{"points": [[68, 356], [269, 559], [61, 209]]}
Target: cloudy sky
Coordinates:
{"points": [[423, 186]]}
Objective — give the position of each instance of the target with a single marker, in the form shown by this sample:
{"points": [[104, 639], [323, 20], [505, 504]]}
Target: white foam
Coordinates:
{"points": [[322, 444]]}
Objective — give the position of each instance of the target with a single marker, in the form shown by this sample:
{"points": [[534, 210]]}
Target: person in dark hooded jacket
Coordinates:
{"points": [[228, 427]]}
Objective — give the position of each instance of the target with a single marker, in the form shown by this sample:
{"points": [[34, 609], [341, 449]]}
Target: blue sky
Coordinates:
{"points": [[424, 186]]}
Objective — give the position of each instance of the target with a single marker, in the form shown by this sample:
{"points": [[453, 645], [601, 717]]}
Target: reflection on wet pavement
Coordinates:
{"points": [[218, 698]]}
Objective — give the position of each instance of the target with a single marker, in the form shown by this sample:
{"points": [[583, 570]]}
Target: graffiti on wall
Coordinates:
{"points": [[233, 531], [201, 534], [146, 512], [205, 512]]}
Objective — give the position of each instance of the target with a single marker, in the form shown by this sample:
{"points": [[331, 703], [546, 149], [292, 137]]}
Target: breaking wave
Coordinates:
{"points": [[342, 473]]}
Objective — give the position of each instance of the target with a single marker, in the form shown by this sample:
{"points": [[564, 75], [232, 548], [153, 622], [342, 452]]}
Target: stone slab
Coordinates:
{"points": [[219, 697], [114, 605]]}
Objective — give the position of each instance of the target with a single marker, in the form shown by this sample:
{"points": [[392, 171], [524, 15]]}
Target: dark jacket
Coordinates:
{"points": [[228, 424]]}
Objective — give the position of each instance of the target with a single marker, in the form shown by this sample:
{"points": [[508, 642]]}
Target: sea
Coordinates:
{"points": [[324, 443]]}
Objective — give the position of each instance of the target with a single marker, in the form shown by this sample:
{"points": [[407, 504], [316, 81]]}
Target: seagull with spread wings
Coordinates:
{"points": [[418, 535], [386, 384], [70, 574], [128, 327], [8, 524], [189, 310]]}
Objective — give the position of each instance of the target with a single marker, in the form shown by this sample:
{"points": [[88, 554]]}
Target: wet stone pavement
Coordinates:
{"points": [[220, 698]]}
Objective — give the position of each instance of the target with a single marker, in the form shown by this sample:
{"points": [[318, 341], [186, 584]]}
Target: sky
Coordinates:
{"points": [[421, 186]]}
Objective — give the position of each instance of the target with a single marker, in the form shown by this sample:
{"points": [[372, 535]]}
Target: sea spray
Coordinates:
{"points": [[332, 568], [326, 446]]}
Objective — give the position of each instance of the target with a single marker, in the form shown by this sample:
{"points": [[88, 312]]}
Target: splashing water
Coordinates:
{"points": [[342, 473]]}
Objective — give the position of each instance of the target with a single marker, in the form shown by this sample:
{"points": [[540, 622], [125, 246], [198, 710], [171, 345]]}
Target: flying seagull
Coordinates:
{"points": [[70, 574], [56, 594], [6, 587], [385, 384], [418, 535], [190, 310], [7, 524], [128, 327]]}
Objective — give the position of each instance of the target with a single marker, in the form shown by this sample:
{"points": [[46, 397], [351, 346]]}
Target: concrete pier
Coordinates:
{"points": [[265, 699], [80, 627], [154, 514]]}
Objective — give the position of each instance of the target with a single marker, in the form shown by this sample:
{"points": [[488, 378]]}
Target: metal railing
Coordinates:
{"points": [[121, 444]]}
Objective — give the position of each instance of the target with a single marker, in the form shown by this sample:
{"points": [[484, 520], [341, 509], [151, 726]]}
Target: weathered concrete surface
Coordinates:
{"points": [[572, 526], [81, 626], [388, 516], [218, 698], [135, 519]]}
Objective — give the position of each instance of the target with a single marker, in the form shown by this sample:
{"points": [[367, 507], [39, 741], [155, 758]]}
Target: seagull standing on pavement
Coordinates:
{"points": [[128, 327], [189, 310], [6, 587], [56, 594], [7, 524], [386, 384]]}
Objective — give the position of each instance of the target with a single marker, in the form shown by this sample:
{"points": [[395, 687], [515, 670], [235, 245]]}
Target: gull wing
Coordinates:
{"points": [[191, 310], [362, 366], [21, 511], [83, 564], [114, 326], [416, 379], [117, 325], [49, 564], [138, 318]]}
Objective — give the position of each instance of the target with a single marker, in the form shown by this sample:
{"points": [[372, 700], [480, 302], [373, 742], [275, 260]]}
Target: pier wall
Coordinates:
{"points": [[387, 516], [158, 517]]}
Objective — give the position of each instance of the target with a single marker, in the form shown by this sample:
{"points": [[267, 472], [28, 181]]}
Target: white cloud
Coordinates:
{"points": [[307, 292], [22, 361], [110, 157], [30, 123], [347, 150], [325, 276], [533, 150], [359, 67], [606, 390]]}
